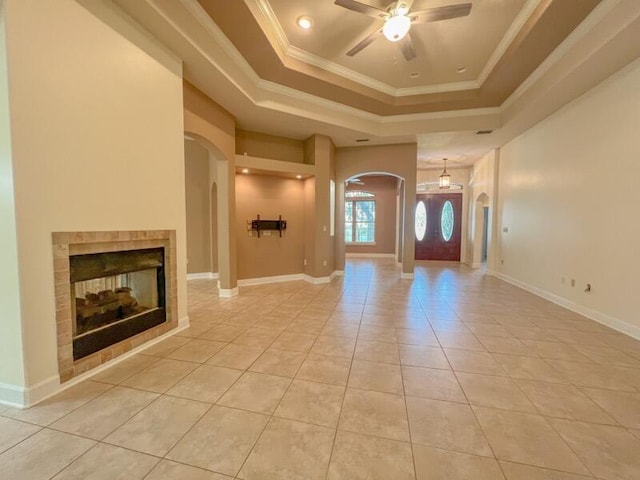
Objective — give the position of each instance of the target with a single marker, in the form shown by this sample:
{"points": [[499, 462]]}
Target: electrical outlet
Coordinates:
{"points": [[304, 262], [573, 282], [324, 263]]}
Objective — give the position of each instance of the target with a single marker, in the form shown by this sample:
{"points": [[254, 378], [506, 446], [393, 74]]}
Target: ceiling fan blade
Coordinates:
{"points": [[362, 8], [441, 13], [407, 4], [364, 43], [406, 45]]}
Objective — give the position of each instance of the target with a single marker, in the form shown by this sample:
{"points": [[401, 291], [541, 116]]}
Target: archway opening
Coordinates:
{"points": [[481, 228], [202, 205], [373, 215]]}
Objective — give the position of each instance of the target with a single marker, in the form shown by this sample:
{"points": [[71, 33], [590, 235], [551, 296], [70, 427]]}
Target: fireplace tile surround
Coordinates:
{"points": [[66, 244]]}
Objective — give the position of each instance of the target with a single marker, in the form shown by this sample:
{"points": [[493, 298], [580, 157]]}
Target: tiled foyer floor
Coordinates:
{"points": [[454, 375]]}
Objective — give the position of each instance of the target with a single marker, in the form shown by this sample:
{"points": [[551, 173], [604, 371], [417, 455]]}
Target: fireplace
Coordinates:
{"points": [[114, 292], [116, 295]]}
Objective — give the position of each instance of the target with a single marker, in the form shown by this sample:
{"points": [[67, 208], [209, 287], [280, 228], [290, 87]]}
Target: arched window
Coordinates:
{"points": [[359, 217]]}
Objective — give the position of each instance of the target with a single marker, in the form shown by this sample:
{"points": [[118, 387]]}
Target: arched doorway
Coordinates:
{"points": [[481, 230], [220, 237], [394, 208], [371, 217]]}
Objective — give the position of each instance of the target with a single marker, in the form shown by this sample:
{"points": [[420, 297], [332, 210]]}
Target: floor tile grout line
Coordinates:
{"points": [[24, 439], [344, 396], [460, 315], [406, 412], [271, 416], [475, 416]]}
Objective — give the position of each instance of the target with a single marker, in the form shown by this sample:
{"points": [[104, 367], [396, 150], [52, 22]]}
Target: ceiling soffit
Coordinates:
{"points": [[550, 22], [475, 42]]}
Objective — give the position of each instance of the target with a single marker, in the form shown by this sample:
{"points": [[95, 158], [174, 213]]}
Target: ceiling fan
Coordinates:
{"points": [[355, 181], [398, 21]]}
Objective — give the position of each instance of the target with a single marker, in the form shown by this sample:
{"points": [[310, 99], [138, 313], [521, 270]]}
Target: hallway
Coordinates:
{"points": [[452, 375]]}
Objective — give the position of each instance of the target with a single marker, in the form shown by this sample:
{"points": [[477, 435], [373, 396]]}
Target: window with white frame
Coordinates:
{"points": [[359, 217]]}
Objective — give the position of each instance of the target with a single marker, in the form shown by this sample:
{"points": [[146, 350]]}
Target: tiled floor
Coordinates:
{"points": [[454, 375]]}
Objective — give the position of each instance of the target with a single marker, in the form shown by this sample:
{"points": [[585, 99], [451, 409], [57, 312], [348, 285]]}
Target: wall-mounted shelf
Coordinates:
{"points": [[258, 225], [267, 166]]}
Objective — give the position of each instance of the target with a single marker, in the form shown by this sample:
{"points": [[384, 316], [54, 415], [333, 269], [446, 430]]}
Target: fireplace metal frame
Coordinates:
{"points": [[106, 264]]}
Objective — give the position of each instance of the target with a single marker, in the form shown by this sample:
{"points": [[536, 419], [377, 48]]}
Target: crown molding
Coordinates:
{"points": [[508, 38], [217, 35], [268, 20], [352, 75], [228, 77], [594, 20]]}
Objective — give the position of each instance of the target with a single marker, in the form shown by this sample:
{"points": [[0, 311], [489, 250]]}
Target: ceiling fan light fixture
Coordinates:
{"points": [[402, 9], [396, 27]]}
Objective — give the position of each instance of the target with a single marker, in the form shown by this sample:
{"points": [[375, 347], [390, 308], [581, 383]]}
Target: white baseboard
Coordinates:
{"points": [[12, 395], [287, 278], [603, 318], [228, 292], [475, 265], [202, 276], [317, 280], [406, 276], [274, 279], [183, 322], [370, 255], [25, 397], [338, 273]]}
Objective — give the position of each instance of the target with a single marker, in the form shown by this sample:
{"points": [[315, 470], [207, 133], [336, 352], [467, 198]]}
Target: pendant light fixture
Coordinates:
{"points": [[445, 178]]}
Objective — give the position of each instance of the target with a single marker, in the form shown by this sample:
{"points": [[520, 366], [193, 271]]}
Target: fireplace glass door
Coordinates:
{"points": [[116, 295]]}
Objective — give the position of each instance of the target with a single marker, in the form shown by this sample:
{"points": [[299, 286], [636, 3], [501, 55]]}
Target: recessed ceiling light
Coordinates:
{"points": [[461, 69], [304, 22], [298, 177], [245, 170], [414, 74]]}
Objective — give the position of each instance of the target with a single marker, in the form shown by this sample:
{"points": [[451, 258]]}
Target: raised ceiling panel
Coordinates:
{"points": [[441, 47]]}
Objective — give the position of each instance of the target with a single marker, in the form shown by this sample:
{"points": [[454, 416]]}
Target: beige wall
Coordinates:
{"points": [[268, 146], [320, 151], [214, 128], [270, 255], [385, 188], [309, 198], [399, 160], [568, 195], [213, 225], [198, 207], [11, 358], [97, 145], [482, 193]]}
